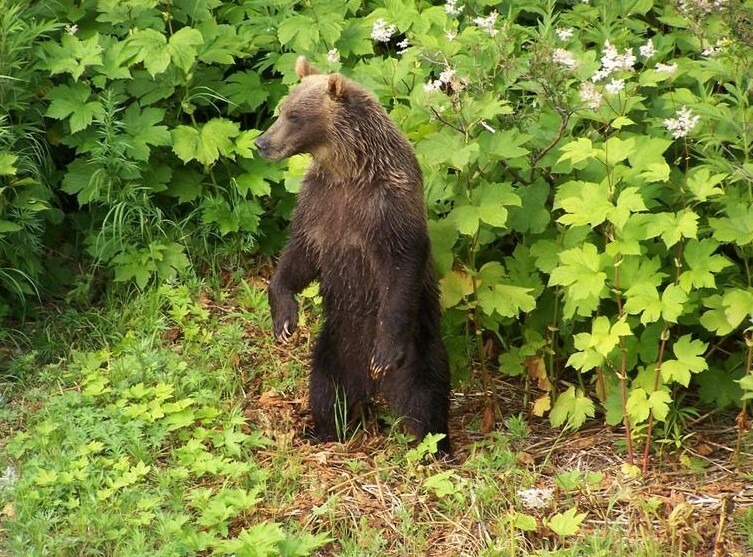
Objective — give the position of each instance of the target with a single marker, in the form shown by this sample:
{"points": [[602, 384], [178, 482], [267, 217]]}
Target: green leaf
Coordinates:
{"points": [[644, 299], [525, 522], [507, 300], [567, 523], [443, 237], [182, 47], [207, 142], [580, 269], [504, 144], [7, 163], [466, 218], [572, 407], [455, 287], [442, 484], [737, 226], [688, 353], [702, 184], [141, 126], [640, 404], [244, 90], [595, 346], [703, 264], [585, 203], [672, 227], [151, 50], [616, 150], [72, 55], [244, 143], [576, 151], [73, 101], [629, 201]]}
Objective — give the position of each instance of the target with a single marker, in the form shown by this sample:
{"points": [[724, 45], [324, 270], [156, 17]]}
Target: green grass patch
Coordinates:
{"points": [[179, 429]]}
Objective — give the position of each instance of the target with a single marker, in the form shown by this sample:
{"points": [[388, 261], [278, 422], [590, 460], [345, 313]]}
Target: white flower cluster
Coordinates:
{"points": [[381, 32], [488, 23], [666, 68], [647, 50], [612, 61], [590, 95], [333, 55], [535, 498], [403, 46], [716, 48], [701, 6], [564, 58], [615, 86], [683, 124], [445, 77], [452, 8], [564, 33]]}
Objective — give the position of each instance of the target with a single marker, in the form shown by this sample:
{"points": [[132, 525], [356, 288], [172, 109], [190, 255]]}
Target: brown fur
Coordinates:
{"points": [[359, 227]]}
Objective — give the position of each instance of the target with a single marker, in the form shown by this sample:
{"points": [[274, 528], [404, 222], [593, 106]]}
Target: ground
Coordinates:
{"points": [[522, 489]]}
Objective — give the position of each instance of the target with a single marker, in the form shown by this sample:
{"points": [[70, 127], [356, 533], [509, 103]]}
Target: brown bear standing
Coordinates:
{"points": [[359, 227]]}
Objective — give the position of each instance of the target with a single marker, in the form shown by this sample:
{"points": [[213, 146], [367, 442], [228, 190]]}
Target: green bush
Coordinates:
{"points": [[587, 167]]}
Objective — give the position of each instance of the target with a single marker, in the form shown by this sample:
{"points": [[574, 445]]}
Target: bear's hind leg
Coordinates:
{"points": [[419, 393], [336, 396]]}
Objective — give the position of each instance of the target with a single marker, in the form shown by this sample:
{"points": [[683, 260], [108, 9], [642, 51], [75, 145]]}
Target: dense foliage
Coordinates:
{"points": [[587, 166]]}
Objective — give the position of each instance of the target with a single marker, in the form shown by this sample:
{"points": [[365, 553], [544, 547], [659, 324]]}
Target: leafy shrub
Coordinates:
{"points": [[25, 164], [587, 169]]}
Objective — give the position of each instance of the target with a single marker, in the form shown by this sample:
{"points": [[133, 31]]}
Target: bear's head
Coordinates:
{"points": [[306, 117]]}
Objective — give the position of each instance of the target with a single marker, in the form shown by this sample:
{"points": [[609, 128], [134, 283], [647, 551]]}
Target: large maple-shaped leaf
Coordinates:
{"points": [[205, 143], [703, 264], [142, 127], [72, 101], [688, 361], [572, 407]]}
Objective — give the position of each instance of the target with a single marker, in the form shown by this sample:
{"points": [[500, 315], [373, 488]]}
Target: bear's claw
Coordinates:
{"points": [[378, 371], [284, 335]]}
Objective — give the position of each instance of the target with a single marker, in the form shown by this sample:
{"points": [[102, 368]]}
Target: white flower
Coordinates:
{"points": [[450, 35], [403, 46], [71, 29], [432, 86], [447, 75], [683, 124], [612, 61], [666, 68], [333, 55], [615, 86], [535, 498], [381, 32], [564, 33], [590, 95], [585, 1], [647, 50], [715, 49], [564, 58], [452, 9], [488, 23], [702, 6]]}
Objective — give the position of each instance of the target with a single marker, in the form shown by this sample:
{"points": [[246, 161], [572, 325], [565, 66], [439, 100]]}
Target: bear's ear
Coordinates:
{"points": [[336, 85], [303, 68]]}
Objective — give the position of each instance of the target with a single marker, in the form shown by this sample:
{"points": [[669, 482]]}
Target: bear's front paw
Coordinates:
{"points": [[285, 320], [385, 360]]}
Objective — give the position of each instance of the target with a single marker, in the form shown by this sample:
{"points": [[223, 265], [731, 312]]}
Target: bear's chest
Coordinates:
{"points": [[335, 221]]}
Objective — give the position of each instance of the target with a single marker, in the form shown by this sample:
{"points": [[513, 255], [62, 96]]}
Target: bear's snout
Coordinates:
{"points": [[262, 145]]}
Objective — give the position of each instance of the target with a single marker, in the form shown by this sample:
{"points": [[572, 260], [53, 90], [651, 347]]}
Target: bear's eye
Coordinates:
{"points": [[294, 116]]}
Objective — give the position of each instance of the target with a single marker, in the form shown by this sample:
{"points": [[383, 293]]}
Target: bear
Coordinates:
{"points": [[359, 227]]}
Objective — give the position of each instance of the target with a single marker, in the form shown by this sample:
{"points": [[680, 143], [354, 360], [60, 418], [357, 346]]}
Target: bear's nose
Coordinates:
{"points": [[261, 143]]}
